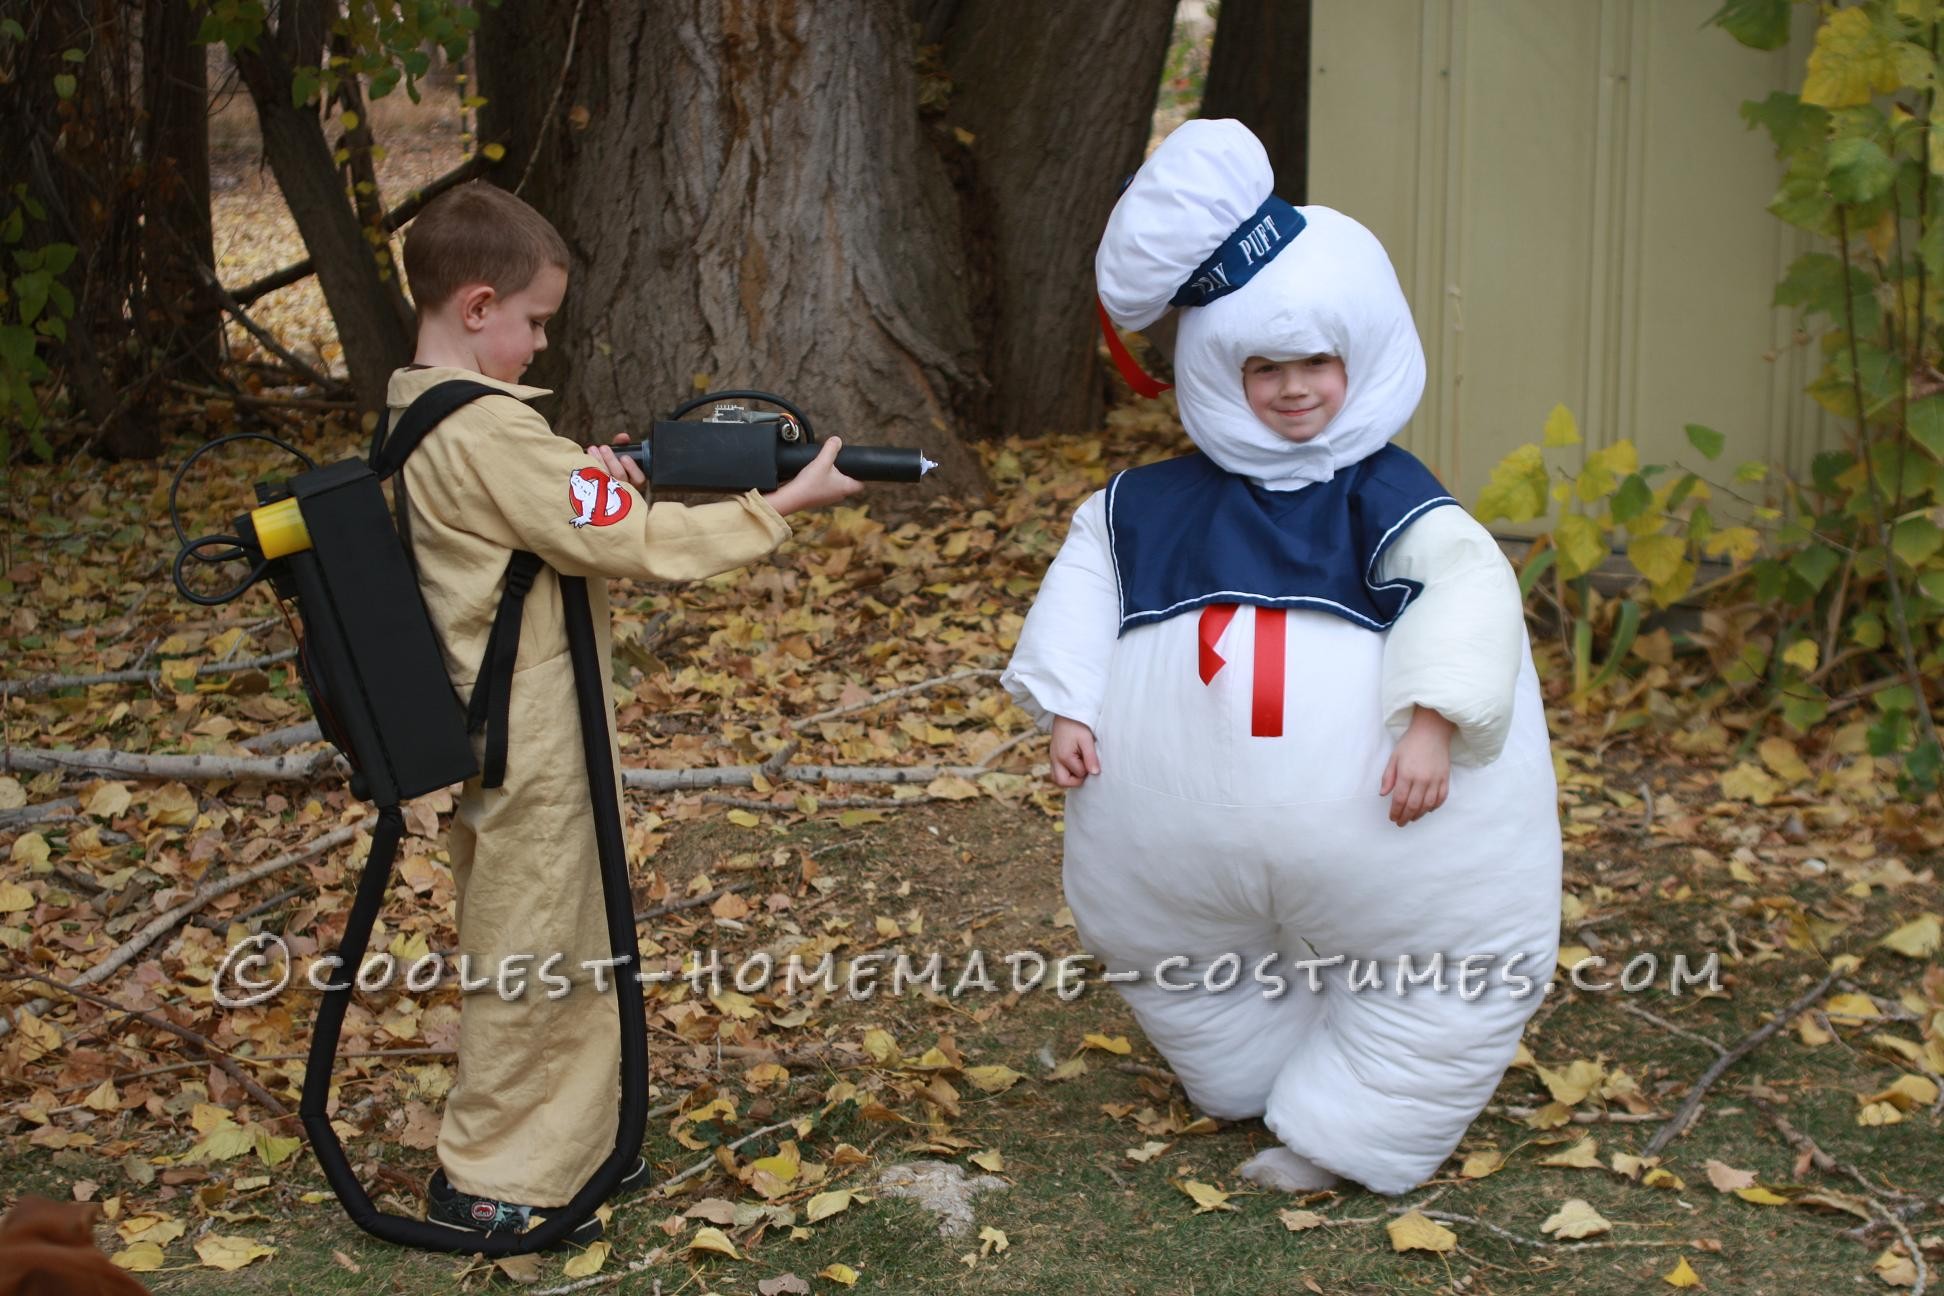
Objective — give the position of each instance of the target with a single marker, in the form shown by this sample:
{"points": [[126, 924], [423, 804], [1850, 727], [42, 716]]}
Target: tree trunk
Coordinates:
{"points": [[1052, 137], [70, 127], [369, 312], [757, 199], [1258, 72], [753, 205], [176, 235]]}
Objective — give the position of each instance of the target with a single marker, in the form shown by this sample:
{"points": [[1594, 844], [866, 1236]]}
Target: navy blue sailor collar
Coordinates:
{"points": [[1185, 534]]}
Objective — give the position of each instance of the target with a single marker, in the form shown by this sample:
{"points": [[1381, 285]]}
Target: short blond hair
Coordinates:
{"points": [[477, 233]]}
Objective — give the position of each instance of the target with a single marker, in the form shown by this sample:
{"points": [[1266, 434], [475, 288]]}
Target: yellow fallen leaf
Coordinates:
{"points": [[879, 1044], [992, 1241], [141, 1257], [1576, 1219], [1726, 1178], [1906, 1092], [991, 1159], [1682, 1275], [1761, 1196], [1879, 1113], [1298, 1220], [1811, 1031], [713, 1239], [1571, 1086], [14, 897], [1781, 756], [840, 1273], [1481, 1163], [1666, 1179], [1147, 1152], [221, 1251], [993, 1079], [29, 849], [1415, 1232], [1850, 1009], [1897, 1270], [784, 1163], [1108, 1044], [1749, 782], [825, 1204], [951, 787], [587, 1263], [523, 1269], [1207, 1198], [1583, 1155], [1908, 1050], [103, 1098], [109, 800], [743, 819], [1918, 939]]}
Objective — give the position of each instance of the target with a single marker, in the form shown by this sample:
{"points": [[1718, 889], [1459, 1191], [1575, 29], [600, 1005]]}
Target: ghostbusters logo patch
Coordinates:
{"points": [[597, 498]]}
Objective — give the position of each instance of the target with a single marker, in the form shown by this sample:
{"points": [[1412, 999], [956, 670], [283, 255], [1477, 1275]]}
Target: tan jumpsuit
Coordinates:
{"points": [[534, 1108]]}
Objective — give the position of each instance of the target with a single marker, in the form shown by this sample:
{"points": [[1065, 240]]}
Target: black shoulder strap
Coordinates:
{"points": [[391, 447], [493, 689], [492, 695]]}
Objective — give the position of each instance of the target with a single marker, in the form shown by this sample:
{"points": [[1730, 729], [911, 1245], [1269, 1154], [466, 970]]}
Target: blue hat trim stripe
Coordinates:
{"points": [[1253, 245]]}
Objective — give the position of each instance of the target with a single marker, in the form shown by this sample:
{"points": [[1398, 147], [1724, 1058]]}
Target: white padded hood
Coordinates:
{"points": [[1329, 290]]}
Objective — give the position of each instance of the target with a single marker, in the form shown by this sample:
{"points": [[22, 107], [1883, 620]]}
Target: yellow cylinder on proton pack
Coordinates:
{"points": [[280, 529]]}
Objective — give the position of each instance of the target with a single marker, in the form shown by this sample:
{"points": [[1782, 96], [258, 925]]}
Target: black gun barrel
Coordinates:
{"points": [[751, 456]]}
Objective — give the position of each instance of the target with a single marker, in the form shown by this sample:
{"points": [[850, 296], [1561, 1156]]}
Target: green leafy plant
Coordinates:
{"points": [[34, 304], [1839, 578]]}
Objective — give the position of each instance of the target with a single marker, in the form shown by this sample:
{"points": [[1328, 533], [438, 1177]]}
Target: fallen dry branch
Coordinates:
{"points": [[47, 683], [1580, 1117], [1752, 1041], [675, 906], [269, 769], [1447, 1217], [697, 780], [217, 1056], [706, 1162]]}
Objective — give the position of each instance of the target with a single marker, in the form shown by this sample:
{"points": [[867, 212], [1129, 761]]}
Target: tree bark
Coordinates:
{"points": [[888, 213], [1258, 72], [175, 161], [1052, 137], [368, 309], [753, 205]]}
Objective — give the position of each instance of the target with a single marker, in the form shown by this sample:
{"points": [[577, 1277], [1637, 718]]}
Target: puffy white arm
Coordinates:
{"points": [[1458, 646], [1059, 667]]}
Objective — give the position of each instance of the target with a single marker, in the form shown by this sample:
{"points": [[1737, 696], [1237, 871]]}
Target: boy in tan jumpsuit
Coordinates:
{"points": [[533, 1110]]}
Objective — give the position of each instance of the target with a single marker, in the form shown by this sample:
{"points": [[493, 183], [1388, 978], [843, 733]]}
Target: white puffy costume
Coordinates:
{"points": [[1235, 826]]}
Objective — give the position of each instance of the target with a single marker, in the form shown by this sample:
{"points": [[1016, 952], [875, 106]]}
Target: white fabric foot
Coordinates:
{"points": [[1282, 1170]]}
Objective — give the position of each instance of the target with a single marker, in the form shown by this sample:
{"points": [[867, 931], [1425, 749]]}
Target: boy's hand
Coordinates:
{"points": [[627, 470], [1073, 752], [817, 485], [1420, 768]]}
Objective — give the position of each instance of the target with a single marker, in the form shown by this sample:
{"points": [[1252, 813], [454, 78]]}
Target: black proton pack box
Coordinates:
{"points": [[369, 656]]}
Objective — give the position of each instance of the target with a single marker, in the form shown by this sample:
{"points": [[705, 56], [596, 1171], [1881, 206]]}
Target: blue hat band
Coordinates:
{"points": [[1253, 245]]}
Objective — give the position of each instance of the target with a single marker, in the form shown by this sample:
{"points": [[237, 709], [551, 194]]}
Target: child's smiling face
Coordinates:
{"points": [[1295, 398]]}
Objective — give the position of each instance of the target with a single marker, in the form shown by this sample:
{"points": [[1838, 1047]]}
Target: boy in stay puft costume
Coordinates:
{"points": [[1253, 659]]}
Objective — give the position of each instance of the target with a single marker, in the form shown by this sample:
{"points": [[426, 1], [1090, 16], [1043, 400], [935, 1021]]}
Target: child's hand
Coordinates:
{"points": [[627, 470], [1073, 752], [1420, 768], [817, 485]]}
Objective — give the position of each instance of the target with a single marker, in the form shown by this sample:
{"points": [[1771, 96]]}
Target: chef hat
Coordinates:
{"points": [[1199, 226]]}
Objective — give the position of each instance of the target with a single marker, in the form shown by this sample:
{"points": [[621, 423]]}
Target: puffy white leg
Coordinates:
{"points": [[1282, 1170]]}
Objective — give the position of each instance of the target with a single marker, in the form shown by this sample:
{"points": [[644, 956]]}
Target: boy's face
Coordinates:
{"points": [[1296, 398], [507, 332]]}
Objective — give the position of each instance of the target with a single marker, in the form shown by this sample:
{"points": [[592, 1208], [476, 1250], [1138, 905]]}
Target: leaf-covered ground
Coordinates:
{"points": [[1814, 1164]]}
